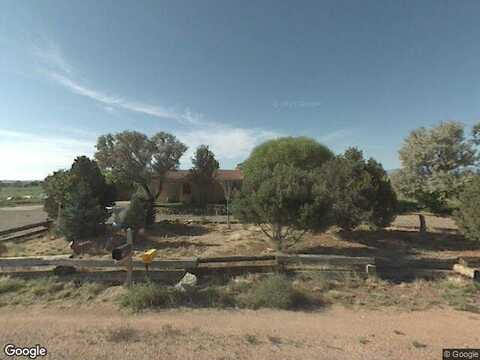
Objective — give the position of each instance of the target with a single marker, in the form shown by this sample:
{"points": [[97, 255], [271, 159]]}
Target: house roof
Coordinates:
{"points": [[222, 175]]}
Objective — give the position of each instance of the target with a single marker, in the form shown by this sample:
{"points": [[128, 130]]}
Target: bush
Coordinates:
{"points": [[136, 214], [8, 284], [82, 214], [360, 190], [280, 189], [275, 292], [468, 214], [148, 296]]}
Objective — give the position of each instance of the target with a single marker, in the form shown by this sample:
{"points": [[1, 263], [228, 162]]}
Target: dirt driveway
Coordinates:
{"points": [[338, 333], [21, 215]]}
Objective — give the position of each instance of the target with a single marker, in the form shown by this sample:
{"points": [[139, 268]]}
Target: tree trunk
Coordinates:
{"points": [[423, 224]]}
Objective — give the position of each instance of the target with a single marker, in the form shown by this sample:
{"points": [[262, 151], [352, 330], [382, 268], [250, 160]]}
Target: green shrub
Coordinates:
{"points": [[274, 291], [468, 215], [8, 284], [280, 189], [136, 214], [46, 286], [360, 190], [144, 296], [82, 214], [148, 296]]}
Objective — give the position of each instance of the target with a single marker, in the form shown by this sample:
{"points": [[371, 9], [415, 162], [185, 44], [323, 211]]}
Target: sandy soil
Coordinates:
{"points": [[179, 239], [105, 333], [21, 215]]}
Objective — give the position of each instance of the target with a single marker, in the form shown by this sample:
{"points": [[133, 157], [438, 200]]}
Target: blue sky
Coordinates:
{"points": [[230, 74]]}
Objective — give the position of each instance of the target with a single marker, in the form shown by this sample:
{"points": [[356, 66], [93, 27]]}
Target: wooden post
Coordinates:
{"points": [[371, 270], [129, 264], [228, 212], [423, 225]]}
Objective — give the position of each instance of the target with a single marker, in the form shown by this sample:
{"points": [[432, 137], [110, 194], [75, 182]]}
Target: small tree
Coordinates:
{"points": [[78, 199], [360, 191], [468, 215], [55, 187], [136, 214], [281, 192], [82, 213], [202, 174], [84, 169]]}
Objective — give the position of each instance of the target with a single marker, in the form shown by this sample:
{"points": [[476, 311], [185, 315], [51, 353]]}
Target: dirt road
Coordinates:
{"points": [[21, 215], [103, 332]]}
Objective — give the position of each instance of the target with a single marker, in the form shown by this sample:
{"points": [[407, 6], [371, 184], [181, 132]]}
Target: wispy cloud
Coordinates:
{"points": [[51, 56], [114, 101], [55, 65]]}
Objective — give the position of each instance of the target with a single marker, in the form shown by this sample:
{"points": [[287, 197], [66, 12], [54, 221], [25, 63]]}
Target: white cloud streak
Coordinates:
{"points": [[113, 101]]}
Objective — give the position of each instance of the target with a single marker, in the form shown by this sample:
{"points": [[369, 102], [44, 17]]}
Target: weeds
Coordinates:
{"points": [[8, 284], [274, 291], [15, 291], [252, 339], [418, 345], [149, 295], [169, 331], [122, 334]]}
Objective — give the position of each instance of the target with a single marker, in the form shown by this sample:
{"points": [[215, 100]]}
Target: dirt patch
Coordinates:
{"points": [[103, 333], [178, 239]]}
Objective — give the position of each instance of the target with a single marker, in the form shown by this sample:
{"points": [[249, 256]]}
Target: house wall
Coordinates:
{"points": [[174, 192]]}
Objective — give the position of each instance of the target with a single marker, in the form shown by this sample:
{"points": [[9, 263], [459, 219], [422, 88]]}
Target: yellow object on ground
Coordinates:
{"points": [[147, 256]]}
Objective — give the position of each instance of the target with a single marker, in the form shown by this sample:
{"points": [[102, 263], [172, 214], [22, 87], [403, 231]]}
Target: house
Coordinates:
{"points": [[178, 186]]}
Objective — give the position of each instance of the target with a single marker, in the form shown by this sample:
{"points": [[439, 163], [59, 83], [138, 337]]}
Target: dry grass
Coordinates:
{"points": [[373, 293], [48, 290]]}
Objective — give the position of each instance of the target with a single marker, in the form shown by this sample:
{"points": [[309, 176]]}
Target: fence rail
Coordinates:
{"points": [[44, 227], [235, 265], [321, 261]]}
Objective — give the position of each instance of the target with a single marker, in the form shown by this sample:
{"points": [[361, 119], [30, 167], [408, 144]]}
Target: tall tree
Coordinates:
{"points": [[436, 163], [136, 158], [203, 171]]}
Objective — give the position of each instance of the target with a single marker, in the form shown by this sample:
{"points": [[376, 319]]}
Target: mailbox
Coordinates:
{"points": [[122, 252], [147, 256]]}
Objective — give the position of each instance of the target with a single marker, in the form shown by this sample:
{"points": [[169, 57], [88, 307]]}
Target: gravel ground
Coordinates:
{"points": [[105, 333]]}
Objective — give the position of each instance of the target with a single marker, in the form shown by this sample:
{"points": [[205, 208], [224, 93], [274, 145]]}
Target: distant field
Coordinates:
{"points": [[20, 195]]}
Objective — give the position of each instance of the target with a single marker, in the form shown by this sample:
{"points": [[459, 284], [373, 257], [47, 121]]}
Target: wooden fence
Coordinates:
{"points": [[232, 265], [19, 232], [168, 270]]}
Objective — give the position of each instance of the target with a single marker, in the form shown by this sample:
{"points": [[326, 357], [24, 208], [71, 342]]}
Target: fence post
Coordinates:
{"points": [[128, 281]]}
